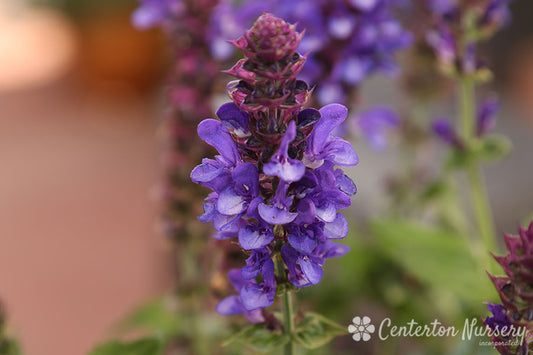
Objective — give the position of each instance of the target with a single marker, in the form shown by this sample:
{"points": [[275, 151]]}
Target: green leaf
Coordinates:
{"points": [[438, 258], [490, 148], [493, 147], [148, 346], [316, 330], [154, 316], [259, 338]]}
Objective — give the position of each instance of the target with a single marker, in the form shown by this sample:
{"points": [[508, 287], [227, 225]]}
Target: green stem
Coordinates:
{"points": [[288, 322], [287, 309], [478, 191]]}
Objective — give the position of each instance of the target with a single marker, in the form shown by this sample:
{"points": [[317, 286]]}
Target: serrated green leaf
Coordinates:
{"points": [[315, 330], [259, 338], [148, 346], [438, 258]]}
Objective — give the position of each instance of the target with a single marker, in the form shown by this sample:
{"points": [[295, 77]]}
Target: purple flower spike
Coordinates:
{"points": [[514, 289], [275, 184]]}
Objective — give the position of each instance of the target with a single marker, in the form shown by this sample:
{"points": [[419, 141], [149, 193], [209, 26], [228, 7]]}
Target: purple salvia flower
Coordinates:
{"points": [[275, 185], [281, 165], [346, 40]]}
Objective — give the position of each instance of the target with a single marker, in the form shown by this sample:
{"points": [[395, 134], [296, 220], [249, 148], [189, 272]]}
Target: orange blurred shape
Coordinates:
{"points": [[37, 46], [112, 53]]}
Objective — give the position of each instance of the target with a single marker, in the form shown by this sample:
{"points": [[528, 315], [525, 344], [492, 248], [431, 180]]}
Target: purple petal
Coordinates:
{"points": [[223, 223], [229, 203], [267, 272], [236, 279], [251, 238], [289, 170], [209, 208], [234, 118], [337, 229], [254, 296], [334, 250], [247, 175], [275, 215], [312, 271], [306, 211], [486, 116], [216, 135], [345, 184], [280, 164], [443, 129], [326, 213], [331, 116], [302, 242], [206, 172], [230, 306], [342, 153]]}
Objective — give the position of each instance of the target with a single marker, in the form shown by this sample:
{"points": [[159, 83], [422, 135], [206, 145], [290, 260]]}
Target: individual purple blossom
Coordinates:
{"points": [[485, 122], [499, 318], [346, 41], [281, 165], [444, 129], [276, 188], [374, 123], [486, 116]]}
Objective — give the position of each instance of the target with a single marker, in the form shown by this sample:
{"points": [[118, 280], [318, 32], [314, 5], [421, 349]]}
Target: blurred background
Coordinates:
{"points": [[80, 102]]}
